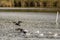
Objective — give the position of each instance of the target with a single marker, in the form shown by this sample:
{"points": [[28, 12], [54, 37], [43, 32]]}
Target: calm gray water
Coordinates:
{"points": [[32, 21]]}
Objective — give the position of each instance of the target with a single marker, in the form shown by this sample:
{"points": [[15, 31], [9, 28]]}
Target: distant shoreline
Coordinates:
{"points": [[7, 9]]}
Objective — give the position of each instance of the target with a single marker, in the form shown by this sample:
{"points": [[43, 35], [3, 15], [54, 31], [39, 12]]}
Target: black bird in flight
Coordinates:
{"points": [[21, 30], [18, 23]]}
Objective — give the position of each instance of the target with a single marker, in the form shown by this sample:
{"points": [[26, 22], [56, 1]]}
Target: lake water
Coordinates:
{"points": [[32, 21]]}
